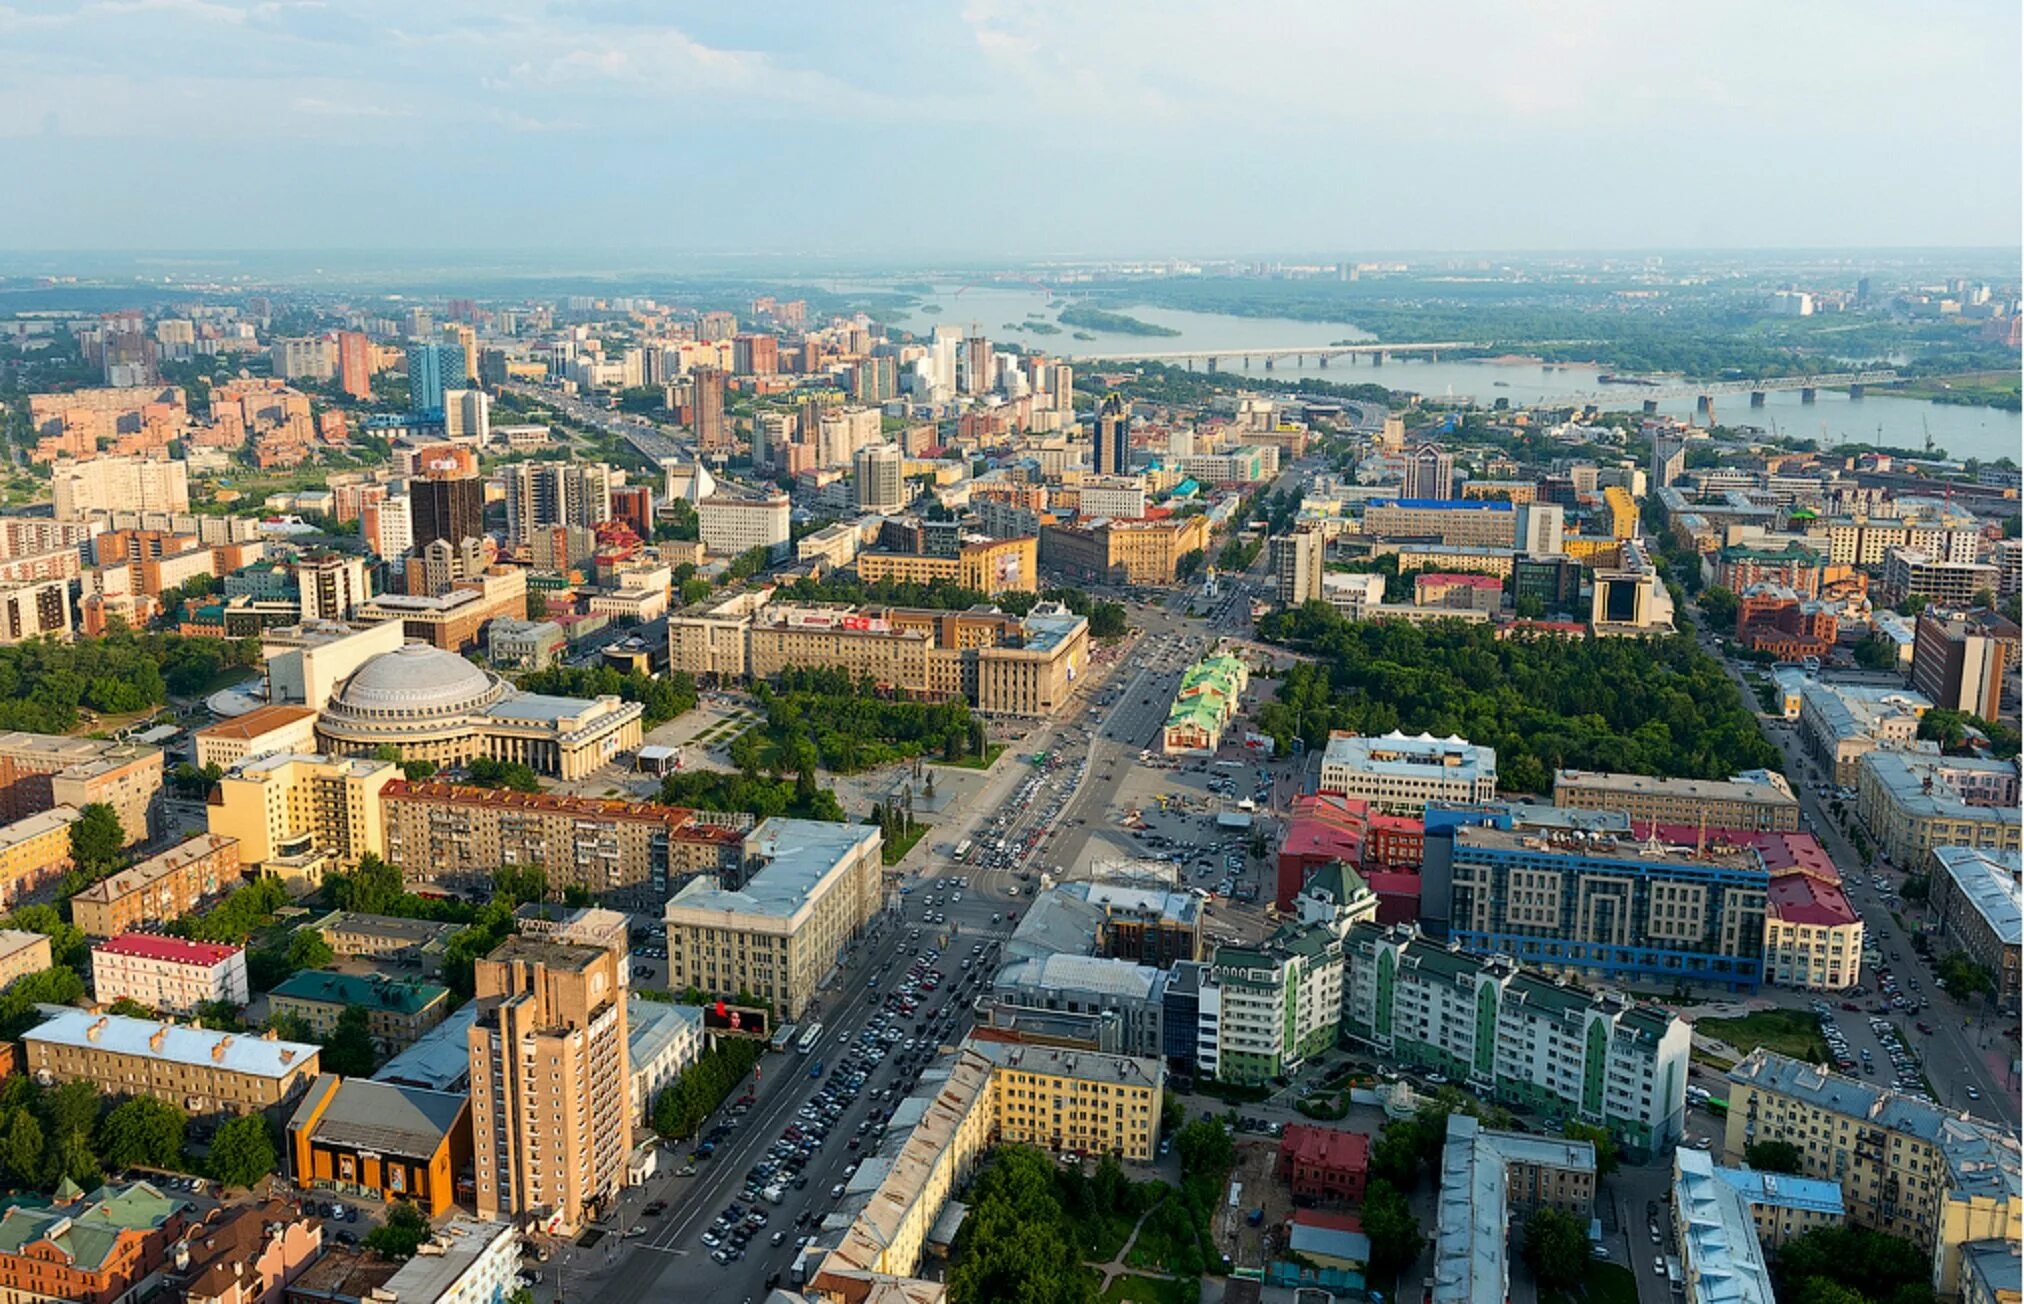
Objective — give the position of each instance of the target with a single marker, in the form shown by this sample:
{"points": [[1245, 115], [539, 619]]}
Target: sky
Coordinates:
{"points": [[1002, 129]]}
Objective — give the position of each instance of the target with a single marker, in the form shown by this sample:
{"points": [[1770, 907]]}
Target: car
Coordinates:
{"points": [[1659, 1265], [1656, 1238], [711, 1239], [836, 1192]]}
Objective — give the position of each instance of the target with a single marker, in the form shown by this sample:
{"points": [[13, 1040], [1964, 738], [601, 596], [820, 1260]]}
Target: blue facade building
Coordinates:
{"points": [[433, 369]]}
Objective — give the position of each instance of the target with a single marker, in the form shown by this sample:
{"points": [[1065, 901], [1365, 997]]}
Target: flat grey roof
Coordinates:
{"points": [[798, 855]]}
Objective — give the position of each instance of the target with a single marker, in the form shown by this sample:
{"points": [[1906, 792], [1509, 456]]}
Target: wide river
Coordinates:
{"points": [[1900, 422]]}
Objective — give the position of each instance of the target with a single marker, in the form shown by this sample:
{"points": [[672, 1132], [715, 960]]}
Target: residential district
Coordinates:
{"points": [[602, 797]]}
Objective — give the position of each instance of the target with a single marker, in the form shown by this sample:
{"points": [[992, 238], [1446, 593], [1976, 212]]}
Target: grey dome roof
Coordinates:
{"points": [[422, 679]]}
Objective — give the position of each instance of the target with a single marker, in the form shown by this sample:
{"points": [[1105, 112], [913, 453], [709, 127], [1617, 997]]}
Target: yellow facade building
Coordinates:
{"points": [[1906, 1167], [296, 814], [989, 566]]}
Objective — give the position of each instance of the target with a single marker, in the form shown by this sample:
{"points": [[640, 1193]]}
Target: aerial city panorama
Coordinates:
{"points": [[1010, 652]]}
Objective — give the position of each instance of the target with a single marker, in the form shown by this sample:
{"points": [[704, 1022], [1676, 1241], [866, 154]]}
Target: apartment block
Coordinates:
{"points": [[1782, 1206], [1911, 573], [1912, 803], [1266, 1010], [38, 771], [1510, 1034], [392, 939], [810, 888], [454, 836], [551, 1123], [295, 814], [1979, 897], [35, 609], [1486, 1180], [209, 1074], [22, 953], [454, 620], [989, 566], [1906, 1168], [400, 1011], [119, 484], [1399, 773], [1758, 799], [1117, 1006], [1840, 723], [167, 974], [34, 852], [994, 1092], [1963, 659], [1721, 1259], [163, 887]]}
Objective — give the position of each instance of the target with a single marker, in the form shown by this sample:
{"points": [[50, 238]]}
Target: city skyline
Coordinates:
{"points": [[1010, 132]]}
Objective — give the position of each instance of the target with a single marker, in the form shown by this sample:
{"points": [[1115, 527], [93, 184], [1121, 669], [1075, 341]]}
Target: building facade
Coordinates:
{"points": [[165, 886], [1399, 774], [209, 1074], [167, 974], [1979, 897], [1757, 800]]}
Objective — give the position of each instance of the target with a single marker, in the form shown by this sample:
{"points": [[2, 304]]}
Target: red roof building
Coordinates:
{"points": [[1398, 894], [1324, 828], [1324, 1165], [1396, 842], [168, 950]]}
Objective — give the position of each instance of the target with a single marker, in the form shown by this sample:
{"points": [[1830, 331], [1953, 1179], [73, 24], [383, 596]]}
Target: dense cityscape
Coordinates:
{"points": [[1398, 777]]}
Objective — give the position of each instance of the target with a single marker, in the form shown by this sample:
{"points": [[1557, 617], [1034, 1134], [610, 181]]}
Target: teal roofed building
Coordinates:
{"points": [[1208, 698], [398, 1010]]}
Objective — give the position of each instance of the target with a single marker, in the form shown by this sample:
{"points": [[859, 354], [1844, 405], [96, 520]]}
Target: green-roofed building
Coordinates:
{"points": [[1211, 691], [400, 1010], [1265, 1010], [96, 1248], [1507, 1034]]}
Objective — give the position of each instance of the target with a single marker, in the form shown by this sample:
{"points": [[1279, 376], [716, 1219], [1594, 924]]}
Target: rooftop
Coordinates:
{"points": [[1928, 786], [1065, 1062], [136, 877], [444, 1259], [1407, 756], [799, 856], [1759, 786], [1325, 1147], [1992, 882], [178, 1043], [1719, 1250], [440, 1059], [705, 828], [39, 825], [255, 723], [1783, 1191], [1083, 973], [1446, 504], [1982, 1158], [85, 1232], [381, 1117], [374, 992], [1602, 846], [1803, 899], [171, 950]]}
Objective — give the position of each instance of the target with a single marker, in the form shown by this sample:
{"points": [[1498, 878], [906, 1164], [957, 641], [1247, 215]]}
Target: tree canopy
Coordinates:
{"points": [[1639, 706], [242, 1150]]}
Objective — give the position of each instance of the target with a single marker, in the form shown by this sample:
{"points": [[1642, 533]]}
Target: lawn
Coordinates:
{"points": [[1788, 1032], [984, 762], [900, 846], [1151, 1290], [1606, 1283]]}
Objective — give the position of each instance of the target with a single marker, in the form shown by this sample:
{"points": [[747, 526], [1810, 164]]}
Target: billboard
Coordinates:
{"points": [[736, 1020]]}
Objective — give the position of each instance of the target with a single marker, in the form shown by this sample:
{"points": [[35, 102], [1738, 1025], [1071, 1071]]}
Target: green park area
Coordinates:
{"points": [[1788, 1032]]}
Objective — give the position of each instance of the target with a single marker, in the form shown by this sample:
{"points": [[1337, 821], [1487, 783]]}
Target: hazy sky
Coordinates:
{"points": [[999, 128]]}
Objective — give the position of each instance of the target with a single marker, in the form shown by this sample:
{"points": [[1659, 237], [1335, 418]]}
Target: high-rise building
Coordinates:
{"points": [[446, 504], [975, 369], [332, 584], [467, 414], [755, 355], [433, 370], [550, 1104], [712, 429], [879, 483], [119, 484], [540, 494], [1297, 566], [1669, 461], [1430, 473], [354, 364], [1113, 436], [387, 526], [465, 340]]}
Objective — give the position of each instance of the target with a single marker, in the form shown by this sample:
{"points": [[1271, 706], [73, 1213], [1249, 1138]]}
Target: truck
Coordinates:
{"points": [[774, 1194]]}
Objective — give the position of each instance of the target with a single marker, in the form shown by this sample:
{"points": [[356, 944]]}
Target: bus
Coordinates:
{"points": [[809, 1038], [962, 851], [783, 1037], [1718, 1107]]}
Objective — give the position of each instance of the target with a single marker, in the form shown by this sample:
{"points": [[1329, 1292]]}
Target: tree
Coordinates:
{"points": [[1172, 1112], [1773, 1157], [308, 950], [242, 1151], [1557, 1248], [1963, 976], [1875, 653], [1205, 1148], [1606, 1158], [143, 1132], [1720, 606], [22, 1149], [401, 1234], [349, 1051], [97, 840], [1107, 620], [486, 772], [1394, 1233]]}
